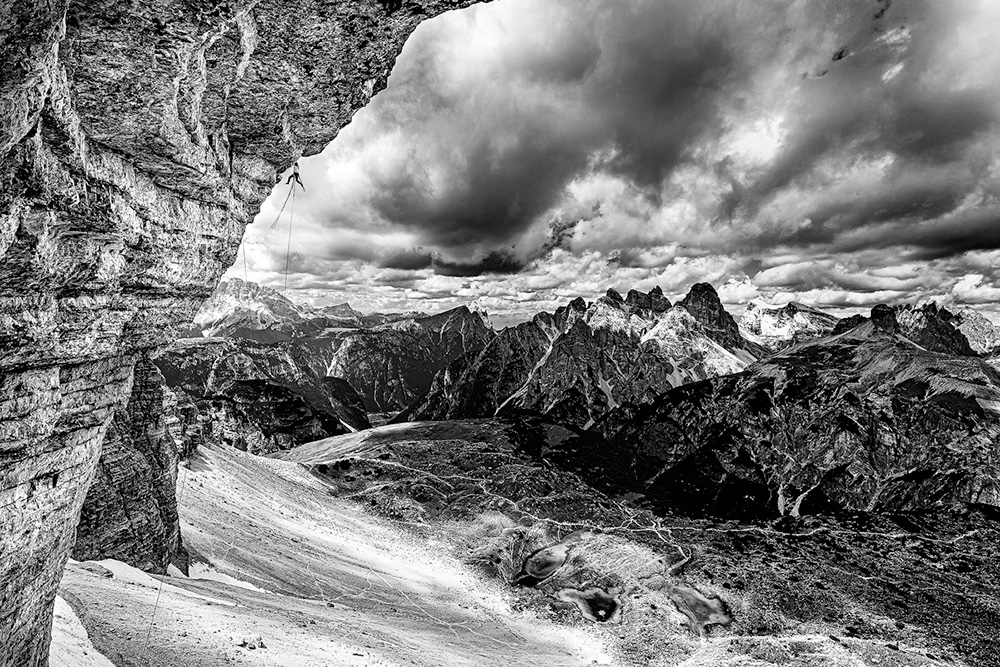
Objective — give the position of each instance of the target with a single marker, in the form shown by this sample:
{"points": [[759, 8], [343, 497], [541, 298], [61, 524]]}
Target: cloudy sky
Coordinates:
{"points": [[529, 151]]}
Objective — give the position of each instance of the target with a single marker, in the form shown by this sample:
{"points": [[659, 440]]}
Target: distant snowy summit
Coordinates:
{"points": [[247, 310], [775, 327]]}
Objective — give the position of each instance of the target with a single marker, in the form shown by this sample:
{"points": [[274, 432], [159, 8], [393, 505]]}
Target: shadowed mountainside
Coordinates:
{"points": [[585, 359]]}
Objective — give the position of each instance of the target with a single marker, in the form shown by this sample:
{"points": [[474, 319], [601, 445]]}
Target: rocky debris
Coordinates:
{"points": [[777, 327], [982, 334], [498, 491], [138, 140], [545, 562], [582, 361], [700, 610], [250, 643], [862, 421]]}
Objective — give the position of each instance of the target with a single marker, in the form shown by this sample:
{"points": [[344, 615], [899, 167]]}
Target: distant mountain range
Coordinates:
{"points": [[850, 480], [588, 358], [246, 310], [573, 365], [862, 420]]}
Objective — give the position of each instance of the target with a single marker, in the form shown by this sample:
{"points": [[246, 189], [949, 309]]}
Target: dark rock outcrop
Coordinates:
{"points": [[138, 139], [476, 385], [130, 513], [703, 302], [926, 324], [255, 397], [932, 328], [862, 421], [391, 365]]}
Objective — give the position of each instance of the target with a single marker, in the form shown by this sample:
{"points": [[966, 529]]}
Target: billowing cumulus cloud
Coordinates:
{"points": [[528, 150]]}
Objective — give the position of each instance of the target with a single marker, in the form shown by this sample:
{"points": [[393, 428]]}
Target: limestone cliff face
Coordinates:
{"points": [[136, 142], [130, 513]]}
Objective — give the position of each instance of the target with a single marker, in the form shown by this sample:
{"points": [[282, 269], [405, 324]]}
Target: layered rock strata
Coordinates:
{"points": [[137, 140]]}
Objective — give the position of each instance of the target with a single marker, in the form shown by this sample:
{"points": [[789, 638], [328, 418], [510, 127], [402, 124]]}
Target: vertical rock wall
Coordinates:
{"points": [[137, 139], [131, 507]]}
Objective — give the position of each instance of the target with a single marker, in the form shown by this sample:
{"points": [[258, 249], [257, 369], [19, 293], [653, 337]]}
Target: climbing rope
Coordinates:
{"points": [[288, 246], [245, 278], [291, 219], [282, 209], [159, 590]]}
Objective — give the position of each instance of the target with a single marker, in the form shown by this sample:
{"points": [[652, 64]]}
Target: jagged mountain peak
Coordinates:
{"points": [[925, 324], [583, 360], [982, 334], [704, 304]]}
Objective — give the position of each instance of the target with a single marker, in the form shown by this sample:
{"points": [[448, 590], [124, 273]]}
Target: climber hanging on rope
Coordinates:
{"points": [[291, 192], [295, 175]]}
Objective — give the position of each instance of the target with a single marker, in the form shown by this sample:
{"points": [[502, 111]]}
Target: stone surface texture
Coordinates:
{"points": [[130, 513], [137, 140], [864, 421]]}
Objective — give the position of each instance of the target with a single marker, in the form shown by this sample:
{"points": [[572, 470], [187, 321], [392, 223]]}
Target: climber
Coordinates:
{"points": [[295, 175]]}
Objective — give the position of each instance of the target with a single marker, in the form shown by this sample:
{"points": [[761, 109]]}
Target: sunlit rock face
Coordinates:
{"points": [[138, 139], [777, 327], [983, 335], [586, 359], [933, 328], [865, 420]]}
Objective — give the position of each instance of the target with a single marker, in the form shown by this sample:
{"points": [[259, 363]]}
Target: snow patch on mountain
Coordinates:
{"points": [[778, 326]]}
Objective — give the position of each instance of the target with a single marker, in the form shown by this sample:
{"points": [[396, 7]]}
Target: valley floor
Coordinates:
{"points": [[315, 579], [287, 570]]}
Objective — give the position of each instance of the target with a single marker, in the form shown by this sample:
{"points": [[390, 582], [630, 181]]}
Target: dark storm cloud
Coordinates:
{"points": [[603, 87], [637, 89], [407, 260], [953, 235], [564, 145], [496, 261]]}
